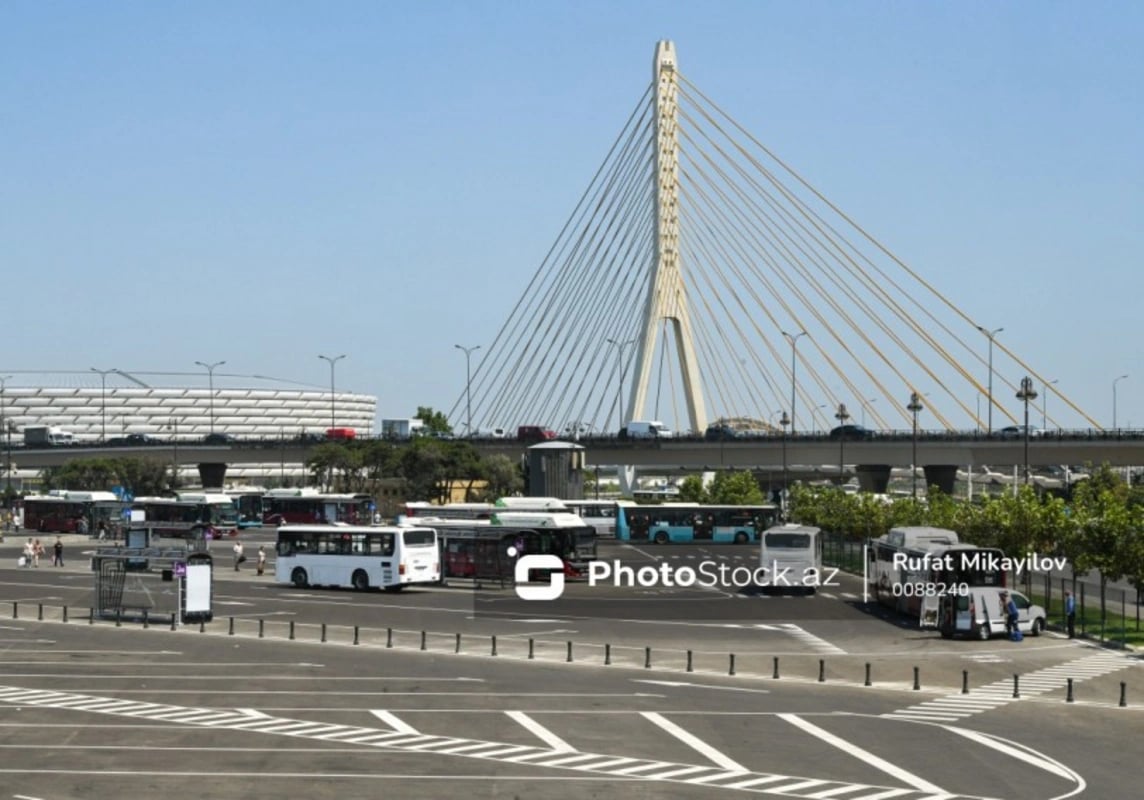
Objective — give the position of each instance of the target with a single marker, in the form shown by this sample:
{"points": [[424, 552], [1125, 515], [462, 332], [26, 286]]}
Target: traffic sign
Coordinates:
{"points": [[180, 569]]}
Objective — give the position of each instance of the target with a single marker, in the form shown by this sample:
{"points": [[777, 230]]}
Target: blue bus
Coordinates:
{"points": [[248, 504], [694, 522]]}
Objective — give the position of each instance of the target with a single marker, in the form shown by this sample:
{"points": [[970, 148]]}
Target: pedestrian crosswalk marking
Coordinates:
{"points": [[796, 786]]}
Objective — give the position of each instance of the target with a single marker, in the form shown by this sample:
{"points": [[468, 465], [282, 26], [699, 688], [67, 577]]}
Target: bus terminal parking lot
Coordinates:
{"points": [[108, 712]]}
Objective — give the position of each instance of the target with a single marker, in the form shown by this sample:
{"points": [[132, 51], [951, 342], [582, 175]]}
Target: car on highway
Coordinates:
{"points": [[719, 432], [218, 438], [132, 439], [1018, 432], [851, 433]]}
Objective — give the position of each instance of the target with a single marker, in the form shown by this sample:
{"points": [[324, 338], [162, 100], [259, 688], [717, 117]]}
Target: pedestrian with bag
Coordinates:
{"points": [[261, 559], [29, 554], [238, 555]]}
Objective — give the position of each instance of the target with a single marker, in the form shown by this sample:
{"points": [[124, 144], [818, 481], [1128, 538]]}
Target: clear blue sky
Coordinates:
{"points": [[262, 182]]}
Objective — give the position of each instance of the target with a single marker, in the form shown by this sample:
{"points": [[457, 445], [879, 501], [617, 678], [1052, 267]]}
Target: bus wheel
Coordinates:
{"points": [[360, 580], [741, 538], [660, 537], [299, 578]]}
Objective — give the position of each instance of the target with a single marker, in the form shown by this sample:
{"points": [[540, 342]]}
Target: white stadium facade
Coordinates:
{"points": [[181, 415]]}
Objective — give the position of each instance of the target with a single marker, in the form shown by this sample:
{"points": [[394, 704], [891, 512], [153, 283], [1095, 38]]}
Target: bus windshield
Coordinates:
{"points": [[788, 541]]}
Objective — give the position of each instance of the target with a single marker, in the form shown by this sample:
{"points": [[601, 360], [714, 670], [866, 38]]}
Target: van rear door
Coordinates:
{"points": [[929, 614]]}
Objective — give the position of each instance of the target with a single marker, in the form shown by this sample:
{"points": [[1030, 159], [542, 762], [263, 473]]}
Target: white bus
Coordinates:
{"points": [[797, 548], [600, 514], [356, 557]]}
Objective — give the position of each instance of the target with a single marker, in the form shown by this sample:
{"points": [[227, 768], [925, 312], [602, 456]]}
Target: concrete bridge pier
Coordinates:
{"points": [[873, 477], [942, 476], [212, 474]]}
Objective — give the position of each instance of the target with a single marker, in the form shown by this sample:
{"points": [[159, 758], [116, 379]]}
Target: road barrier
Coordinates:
{"points": [[917, 679], [867, 681]]}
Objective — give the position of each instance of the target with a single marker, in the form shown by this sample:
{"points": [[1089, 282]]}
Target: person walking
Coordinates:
{"points": [[58, 553], [29, 553], [102, 530], [1070, 614], [37, 552], [261, 559], [238, 556]]}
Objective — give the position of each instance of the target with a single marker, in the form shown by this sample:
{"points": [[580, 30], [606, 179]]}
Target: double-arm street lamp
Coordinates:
{"points": [[210, 368], [784, 421], [1122, 377], [620, 369], [990, 334], [793, 339], [332, 361], [1027, 393], [468, 386], [841, 415], [914, 407], [103, 373]]}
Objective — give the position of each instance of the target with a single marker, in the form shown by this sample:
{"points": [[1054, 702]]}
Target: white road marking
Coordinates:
{"points": [[1012, 751], [393, 721], [693, 742], [540, 732], [704, 686], [865, 756]]}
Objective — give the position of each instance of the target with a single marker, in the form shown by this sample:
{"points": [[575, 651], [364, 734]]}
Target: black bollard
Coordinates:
{"points": [[174, 621], [731, 665], [822, 670], [65, 613], [776, 675], [917, 679], [1069, 696], [422, 640], [647, 658], [15, 610], [389, 637], [457, 646], [867, 683], [230, 627], [689, 661], [323, 633], [146, 620], [607, 655], [494, 651], [569, 653], [1016, 685], [202, 626], [357, 635], [531, 649], [1123, 694], [965, 681], [91, 617], [261, 628], [119, 617], [291, 630], [40, 613]]}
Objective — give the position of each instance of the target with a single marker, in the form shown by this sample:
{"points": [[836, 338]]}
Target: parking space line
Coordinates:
{"points": [[540, 732], [694, 742]]}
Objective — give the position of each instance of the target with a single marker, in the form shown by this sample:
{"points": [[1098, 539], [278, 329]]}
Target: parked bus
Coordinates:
{"points": [[684, 522], [419, 509], [478, 550], [577, 539], [797, 548], [911, 568], [61, 511], [356, 557], [248, 505], [310, 507], [600, 514], [189, 516]]}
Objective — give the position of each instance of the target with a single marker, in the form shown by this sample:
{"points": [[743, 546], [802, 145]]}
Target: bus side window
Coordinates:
{"points": [[387, 544]]}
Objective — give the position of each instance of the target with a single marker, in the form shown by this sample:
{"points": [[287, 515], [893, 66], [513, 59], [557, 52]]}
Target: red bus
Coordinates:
{"points": [[61, 511], [309, 507], [189, 515]]}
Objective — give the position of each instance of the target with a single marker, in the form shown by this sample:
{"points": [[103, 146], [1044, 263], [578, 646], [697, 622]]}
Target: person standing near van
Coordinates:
{"points": [[1011, 613], [1070, 614]]}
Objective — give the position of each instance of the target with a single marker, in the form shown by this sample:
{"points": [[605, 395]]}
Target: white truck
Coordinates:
{"points": [[648, 429], [401, 428], [46, 436]]}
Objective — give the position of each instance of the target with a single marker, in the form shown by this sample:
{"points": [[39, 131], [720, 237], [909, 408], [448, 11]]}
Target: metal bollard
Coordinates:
{"points": [[146, 620], [965, 681], [569, 652], [261, 628], [323, 633], [494, 651], [1069, 696], [230, 627], [65, 613], [423, 640], [357, 635], [202, 626], [91, 617], [174, 621], [822, 670], [607, 655], [531, 649], [40, 613], [647, 658], [689, 661], [389, 637], [867, 683], [776, 675], [15, 610], [1016, 685], [291, 630], [731, 665], [457, 646], [1123, 694], [917, 679], [119, 617]]}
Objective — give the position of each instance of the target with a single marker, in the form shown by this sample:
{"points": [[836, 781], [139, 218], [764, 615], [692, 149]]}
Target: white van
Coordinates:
{"points": [[981, 613], [648, 429]]}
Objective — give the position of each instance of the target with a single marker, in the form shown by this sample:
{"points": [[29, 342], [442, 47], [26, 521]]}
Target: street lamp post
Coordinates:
{"points": [[4, 427], [841, 415], [620, 369], [914, 407], [1026, 394], [793, 365], [870, 401], [332, 361], [103, 373], [1045, 404], [468, 386], [784, 421], [990, 334], [174, 423], [1122, 377], [210, 368]]}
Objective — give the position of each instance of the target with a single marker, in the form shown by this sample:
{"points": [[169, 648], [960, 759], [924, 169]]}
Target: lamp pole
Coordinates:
{"points": [[784, 421], [1045, 403], [620, 369], [915, 406], [1122, 377], [870, 401], [793, 364], [7, 437], [210, 368], [468, 386], [990, 334], [332, 361], [1026, 394], [841, 415], [174, 423], [103, 373]]}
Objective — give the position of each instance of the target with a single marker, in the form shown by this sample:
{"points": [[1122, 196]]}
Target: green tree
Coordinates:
{"points": [[733, 488], [504, 477], [435, 421], [691, 490]]}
